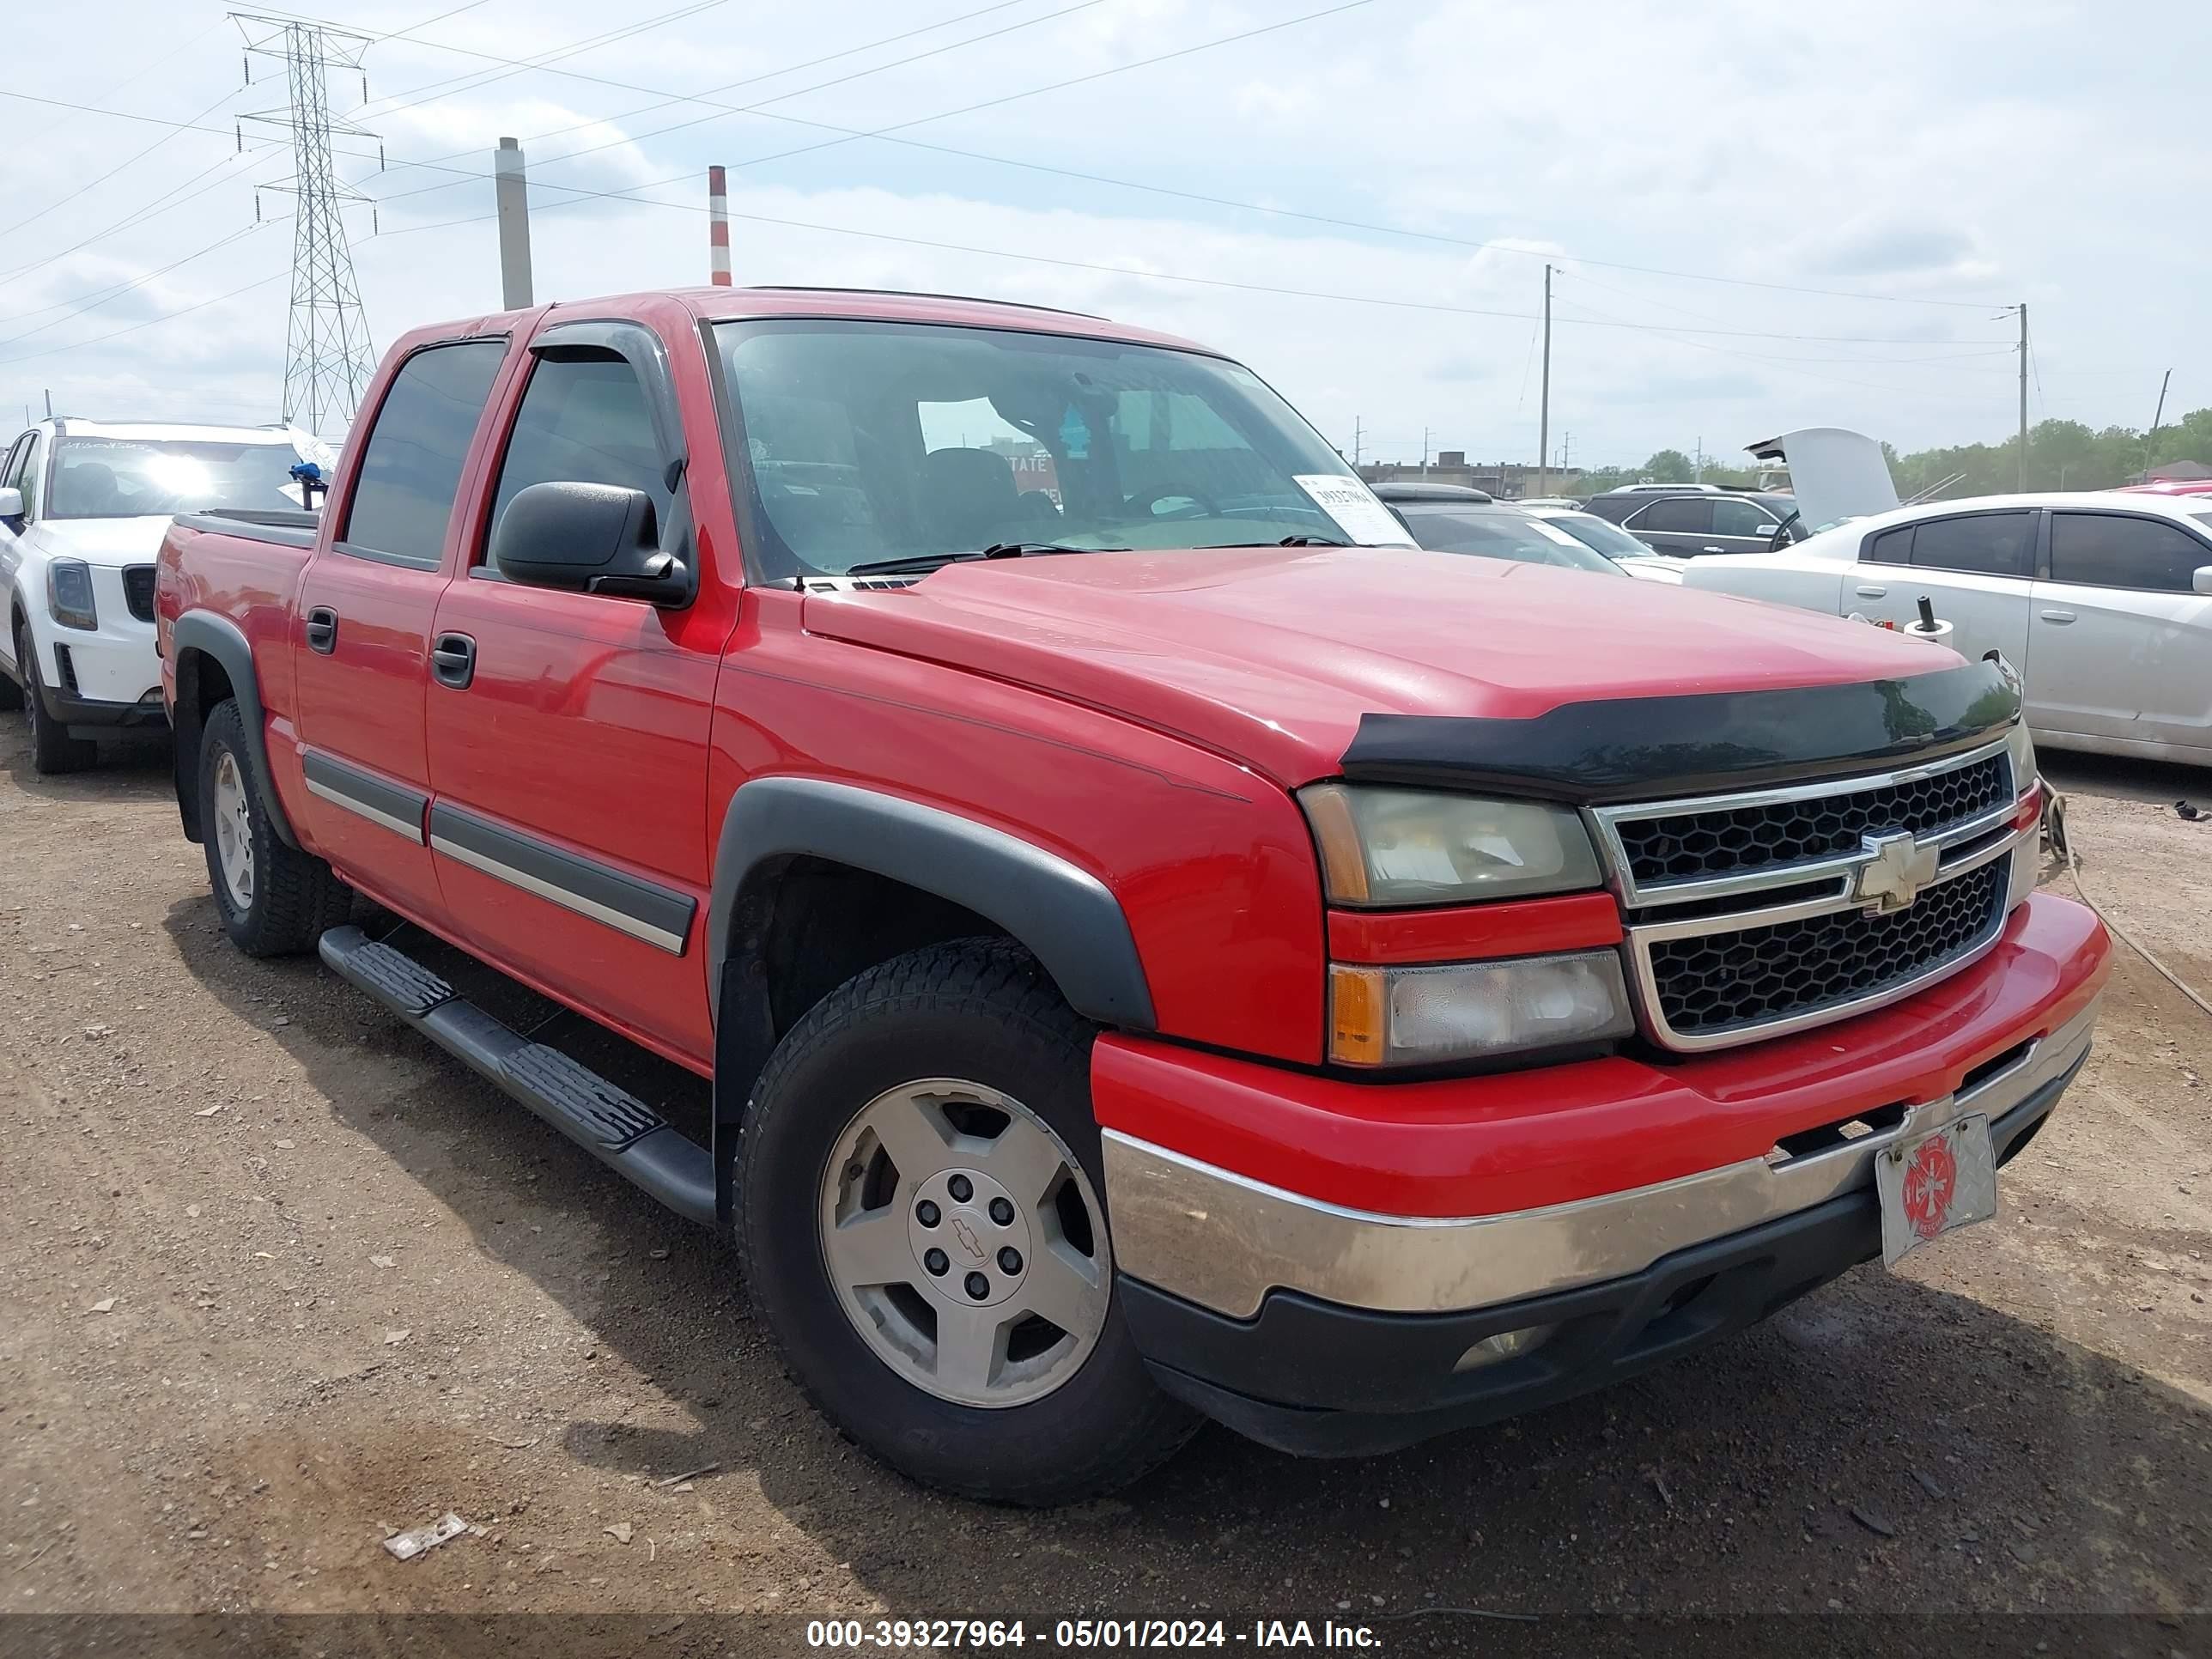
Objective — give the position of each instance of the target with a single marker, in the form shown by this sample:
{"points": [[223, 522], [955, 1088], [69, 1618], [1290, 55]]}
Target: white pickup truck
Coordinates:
{"points": [[83, 505]]}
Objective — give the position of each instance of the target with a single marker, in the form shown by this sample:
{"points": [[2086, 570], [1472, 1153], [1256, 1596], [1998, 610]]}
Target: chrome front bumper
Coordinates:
{"points": [[1223, 1242]]}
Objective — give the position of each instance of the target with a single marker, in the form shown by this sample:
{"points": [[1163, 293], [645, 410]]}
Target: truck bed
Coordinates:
{"points": [[284, 528]]}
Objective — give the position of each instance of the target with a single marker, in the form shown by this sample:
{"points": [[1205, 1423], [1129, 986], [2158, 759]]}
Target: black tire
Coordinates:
{"points": [[981, 1009], [11, 694], [296, 897], [53, 751]]}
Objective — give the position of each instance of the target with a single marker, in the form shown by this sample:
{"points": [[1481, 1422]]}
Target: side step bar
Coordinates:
{"points": [[615, 1126]]}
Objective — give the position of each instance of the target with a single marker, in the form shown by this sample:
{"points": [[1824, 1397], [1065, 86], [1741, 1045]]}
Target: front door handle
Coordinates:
{"points": [[2062, 617], [1871, 591], [453, 660], [322, 630], [1712, 549]]}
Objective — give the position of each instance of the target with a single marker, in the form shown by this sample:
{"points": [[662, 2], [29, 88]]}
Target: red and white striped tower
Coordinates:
{"points": [[718, 226]]}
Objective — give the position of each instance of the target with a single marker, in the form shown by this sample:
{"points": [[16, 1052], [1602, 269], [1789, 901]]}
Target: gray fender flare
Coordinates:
{"points": [[222, 640], [1065, 916]]}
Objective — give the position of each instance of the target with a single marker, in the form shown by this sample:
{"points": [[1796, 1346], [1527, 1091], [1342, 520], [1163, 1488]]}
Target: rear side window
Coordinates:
{"points": [[1891, 547], [1985, 544], [1734, 518], [584, 419], [1688, 515], [30, 466], [410, 468], [2109, 550]]}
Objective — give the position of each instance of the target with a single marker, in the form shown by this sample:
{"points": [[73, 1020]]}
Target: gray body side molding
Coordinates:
{"points": [[221, 638], [1066, 915]]}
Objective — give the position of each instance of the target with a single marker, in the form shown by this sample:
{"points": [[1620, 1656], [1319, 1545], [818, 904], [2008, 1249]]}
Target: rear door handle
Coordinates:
{"points": [[1871, 591], [322, 630], [1712, 549], [2059, 617], [453, 660]]}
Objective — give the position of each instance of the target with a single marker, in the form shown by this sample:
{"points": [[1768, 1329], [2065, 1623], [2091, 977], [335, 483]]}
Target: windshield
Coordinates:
{"points": [[128, 478], [1605, 537], [871, 442], [1502, 534]]}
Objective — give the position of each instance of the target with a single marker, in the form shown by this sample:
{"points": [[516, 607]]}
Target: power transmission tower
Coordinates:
{"points": [[328, 355]]}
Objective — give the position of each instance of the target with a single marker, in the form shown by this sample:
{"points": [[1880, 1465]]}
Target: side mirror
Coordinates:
{"points": [[1767, 530], [2200, 579], [11, 505], [590, 538]]}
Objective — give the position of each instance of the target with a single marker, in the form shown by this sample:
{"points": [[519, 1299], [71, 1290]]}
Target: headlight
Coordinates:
{"points": [[69, 593], [1474, 1010], [1385, 847]]}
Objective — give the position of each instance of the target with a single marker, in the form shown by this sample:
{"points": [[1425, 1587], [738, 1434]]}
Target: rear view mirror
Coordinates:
{"points": [[2200, 578], [588, 537]]}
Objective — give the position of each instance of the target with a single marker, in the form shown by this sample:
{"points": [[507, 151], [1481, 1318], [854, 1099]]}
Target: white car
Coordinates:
{"points": [[1604, 536], [2102, 600], [83, 505]]}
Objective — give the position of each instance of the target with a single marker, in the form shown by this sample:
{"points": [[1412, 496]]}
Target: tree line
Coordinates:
{"points": [[2061, 455]]}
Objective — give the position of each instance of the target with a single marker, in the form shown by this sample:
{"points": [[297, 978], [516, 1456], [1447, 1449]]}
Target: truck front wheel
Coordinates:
{"points": [[273, 900], [918, 1186]]}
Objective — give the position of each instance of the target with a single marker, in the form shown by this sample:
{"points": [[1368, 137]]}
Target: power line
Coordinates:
{"points": [[167, 317], [137, 216], [887, 134], [93, 301]]}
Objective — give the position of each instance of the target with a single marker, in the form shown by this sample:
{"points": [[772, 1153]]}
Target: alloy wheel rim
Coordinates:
{"points": [[965, 1243], [233, 833]]}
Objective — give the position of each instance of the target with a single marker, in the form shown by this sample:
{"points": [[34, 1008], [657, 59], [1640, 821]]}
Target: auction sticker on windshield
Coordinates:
{"points": [[1365, 520], [1929, 1186]]}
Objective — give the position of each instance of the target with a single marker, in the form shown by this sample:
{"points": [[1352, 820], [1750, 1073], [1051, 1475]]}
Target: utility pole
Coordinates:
{"points": [[2023, 396], [1699, 475], [1544, 405], [510, 186], [2151, 438], [1424, 451], [1357, 436], [328, 355]]}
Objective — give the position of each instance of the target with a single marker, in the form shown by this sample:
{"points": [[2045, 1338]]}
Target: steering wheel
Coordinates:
{"points": [[1201, 507]]}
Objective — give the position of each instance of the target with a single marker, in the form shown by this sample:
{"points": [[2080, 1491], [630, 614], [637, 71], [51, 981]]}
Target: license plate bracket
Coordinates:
{"points": [[1936, 1183]]}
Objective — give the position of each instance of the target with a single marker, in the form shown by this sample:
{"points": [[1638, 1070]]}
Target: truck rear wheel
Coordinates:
{"points": [[917, 1187], [273, 900]]}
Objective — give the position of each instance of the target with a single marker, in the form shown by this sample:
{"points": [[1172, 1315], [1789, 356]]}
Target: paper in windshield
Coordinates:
{"points": [[1364, 521]]}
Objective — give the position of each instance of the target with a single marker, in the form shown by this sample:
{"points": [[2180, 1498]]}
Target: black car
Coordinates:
{"points": [[1687, 520], [1452, 518]]}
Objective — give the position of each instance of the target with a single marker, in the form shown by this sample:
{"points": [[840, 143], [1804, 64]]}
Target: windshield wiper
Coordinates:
{"points": [[1287, 541], [925, 563]]}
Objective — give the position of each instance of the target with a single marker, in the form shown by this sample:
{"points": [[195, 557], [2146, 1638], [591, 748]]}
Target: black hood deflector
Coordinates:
{"points": [[1648, 748]]}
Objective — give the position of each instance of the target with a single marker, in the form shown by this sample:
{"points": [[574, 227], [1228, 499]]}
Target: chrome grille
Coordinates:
{"points": [[1710, 983], [1728, 840], [1768, 911]]}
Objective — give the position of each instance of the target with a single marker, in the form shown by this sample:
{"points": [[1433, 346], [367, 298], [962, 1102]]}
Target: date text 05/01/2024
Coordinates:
{"points": [[1084, 1633]]}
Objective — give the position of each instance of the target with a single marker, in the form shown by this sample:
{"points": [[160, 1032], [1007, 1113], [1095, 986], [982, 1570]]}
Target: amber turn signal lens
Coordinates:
{"points": [[1343, 856], [1357, 1022]]}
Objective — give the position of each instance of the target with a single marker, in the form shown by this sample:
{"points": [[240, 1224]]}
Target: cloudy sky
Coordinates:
{"points": [[1762, 216]]}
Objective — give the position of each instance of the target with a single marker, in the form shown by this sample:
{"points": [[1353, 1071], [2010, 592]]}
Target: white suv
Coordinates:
{"points": [[83, 506]]}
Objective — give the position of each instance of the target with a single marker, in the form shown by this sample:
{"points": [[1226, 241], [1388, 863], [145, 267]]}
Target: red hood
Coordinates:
{"points": [[1270, 656]]}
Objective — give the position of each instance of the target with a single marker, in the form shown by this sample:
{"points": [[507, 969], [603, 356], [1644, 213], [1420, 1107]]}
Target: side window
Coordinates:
{"points": [[1891, 547], [2110, 549], [410, 468], [584, 419], [1687, 515], [1739, 518], [30, 470], [1985, 544]]}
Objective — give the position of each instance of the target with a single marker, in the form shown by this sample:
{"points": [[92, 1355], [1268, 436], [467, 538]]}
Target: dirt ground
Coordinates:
{"points": [[276, 1277]]}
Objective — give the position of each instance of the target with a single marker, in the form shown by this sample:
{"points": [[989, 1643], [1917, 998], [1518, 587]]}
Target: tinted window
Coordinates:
{"points": [[2109, 550], [1737, 518], [583, 420], [1689, 515], [1989, 543], [410, 468], [1891, 546], [1609, 539]]}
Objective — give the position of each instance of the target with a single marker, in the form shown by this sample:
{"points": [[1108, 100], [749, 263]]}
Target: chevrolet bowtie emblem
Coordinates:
{"points": [[1896, 869]]}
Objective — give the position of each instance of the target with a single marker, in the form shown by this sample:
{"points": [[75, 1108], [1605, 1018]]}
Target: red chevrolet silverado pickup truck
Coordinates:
{"points": [[1158, 950]]}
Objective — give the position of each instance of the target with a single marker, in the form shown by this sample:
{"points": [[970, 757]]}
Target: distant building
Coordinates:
{"points": [[1507, 480], [2175, 471]]}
